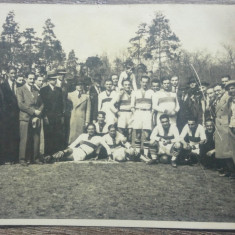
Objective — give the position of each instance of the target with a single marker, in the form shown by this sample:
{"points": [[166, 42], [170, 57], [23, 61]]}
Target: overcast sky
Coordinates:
{"points": [[94, 29]]}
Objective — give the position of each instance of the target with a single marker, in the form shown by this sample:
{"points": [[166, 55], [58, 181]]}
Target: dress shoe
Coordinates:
{"points": [[143, 158], [232, 176], [224, 174], [173, 164], [48, 159], [24, 163], [39, 162], [152, 162]]}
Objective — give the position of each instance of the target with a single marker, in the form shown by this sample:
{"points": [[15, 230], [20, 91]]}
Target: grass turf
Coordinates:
{"points": [[116, 191]]}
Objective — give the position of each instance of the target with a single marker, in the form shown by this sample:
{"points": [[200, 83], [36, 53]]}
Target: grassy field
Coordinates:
{"points": [[116, 191]]}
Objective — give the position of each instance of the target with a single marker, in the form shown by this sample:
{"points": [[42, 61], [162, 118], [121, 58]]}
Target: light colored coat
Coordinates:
{"points": [[222, 128], [80, 114], [231, 133]]}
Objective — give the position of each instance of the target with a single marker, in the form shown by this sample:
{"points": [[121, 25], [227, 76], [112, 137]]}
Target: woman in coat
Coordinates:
{"points": [[80, 111]]}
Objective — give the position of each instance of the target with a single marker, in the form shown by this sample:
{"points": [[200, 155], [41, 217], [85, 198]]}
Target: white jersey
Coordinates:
{"points": [[119, 140], [194, 138], [124, 76], [166, 101], [104, 104], [122, 106], [101, 129], [160, 136], [142, 99]]}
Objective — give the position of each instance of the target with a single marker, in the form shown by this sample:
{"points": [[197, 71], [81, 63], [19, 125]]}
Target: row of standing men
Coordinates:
{"points": [[52, 116]]}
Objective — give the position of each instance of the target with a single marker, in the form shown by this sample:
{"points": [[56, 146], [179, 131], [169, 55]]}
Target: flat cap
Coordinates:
{"points": [[231, 82], [61, 70]]}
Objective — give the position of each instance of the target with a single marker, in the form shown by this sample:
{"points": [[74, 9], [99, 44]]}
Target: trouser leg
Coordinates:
{"points": [[23, 140]]}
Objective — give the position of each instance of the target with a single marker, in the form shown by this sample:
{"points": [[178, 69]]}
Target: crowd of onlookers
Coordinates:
{"points": [[43, 120]]}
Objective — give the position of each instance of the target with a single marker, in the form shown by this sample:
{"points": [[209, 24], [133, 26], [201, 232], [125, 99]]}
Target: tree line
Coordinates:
{"points": [[154, 47]]}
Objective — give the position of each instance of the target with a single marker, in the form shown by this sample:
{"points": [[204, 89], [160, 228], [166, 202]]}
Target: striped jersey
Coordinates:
{"points": [[142, 99]]}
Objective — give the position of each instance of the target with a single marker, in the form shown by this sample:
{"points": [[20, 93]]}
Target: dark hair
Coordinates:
{"points": [[145, 76], [164, 116], [155, 81], [108, 80], [165, 78], [20, 75], [129, 63], [79, 83], [27, 74], [209, 120], [11, 68], [210, 87], [191, 118], [226, 76], [175, 77], [114, 74], [218, 84], [91, 124], [125, 80], [97, 76], [112, 126], [102, 113]]}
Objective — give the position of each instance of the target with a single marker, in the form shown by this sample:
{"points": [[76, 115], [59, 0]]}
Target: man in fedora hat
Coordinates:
{"points": [[53, 114], [31, 106]]}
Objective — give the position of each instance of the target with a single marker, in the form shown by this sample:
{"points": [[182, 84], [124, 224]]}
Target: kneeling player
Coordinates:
{"points": [[83, 148], [192, 135], [165, 137], [121, 150]]}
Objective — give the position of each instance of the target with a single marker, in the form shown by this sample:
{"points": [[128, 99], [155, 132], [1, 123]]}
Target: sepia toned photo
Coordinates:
{"points": [[117, 115]]}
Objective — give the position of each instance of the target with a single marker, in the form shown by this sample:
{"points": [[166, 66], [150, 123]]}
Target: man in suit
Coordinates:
{"points": [[30, 105], [38, 83], [11, 118], [53, 112], [62, 84], [175, 84], [95, 90]]}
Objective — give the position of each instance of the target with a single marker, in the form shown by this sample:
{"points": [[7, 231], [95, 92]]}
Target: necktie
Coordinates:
{"points": [[79, 95], [114, 142], [101, 128], [13, 87]]}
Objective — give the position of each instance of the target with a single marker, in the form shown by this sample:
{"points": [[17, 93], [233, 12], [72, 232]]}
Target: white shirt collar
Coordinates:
{"points": [[10, 82], [37, 86], [29, 87], [52, 87]]}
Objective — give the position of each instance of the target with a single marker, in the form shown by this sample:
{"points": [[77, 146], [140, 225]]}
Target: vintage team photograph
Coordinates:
{"points": [[117, 112]]}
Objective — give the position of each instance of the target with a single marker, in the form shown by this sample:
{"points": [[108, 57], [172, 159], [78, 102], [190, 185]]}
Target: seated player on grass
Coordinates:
{"points": [[83, 148], [165, 138], [192, 135], [121, 150]]}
